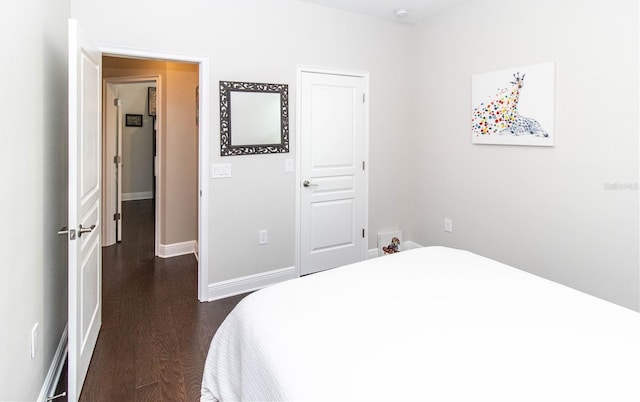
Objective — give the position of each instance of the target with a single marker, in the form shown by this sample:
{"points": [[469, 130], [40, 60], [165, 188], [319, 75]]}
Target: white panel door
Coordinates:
{"points": [[112, 167], [333, 196], [85, 264], [119, 220]]}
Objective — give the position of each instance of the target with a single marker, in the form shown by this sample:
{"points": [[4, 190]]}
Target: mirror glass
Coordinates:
{"points": [[254, 118]]}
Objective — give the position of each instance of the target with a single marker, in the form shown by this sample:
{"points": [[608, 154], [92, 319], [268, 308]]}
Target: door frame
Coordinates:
{"points": [[157, 162], [203, 147], [331, 71]]}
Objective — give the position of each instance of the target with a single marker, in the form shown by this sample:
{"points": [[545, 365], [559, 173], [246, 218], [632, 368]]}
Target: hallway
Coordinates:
{"points": [[155, 334]]}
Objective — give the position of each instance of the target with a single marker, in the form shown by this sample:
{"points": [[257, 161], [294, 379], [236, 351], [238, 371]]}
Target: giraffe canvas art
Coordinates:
{"points": [[514, 106]]}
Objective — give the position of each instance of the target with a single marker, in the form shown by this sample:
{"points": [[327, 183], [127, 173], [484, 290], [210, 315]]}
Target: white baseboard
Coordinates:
{"points": [[53, 375], [406, 245], [249, 283], [145, 195], [245, 284], [372, 253], [176, 249]]}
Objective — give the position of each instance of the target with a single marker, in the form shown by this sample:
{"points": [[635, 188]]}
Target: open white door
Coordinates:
{"points": [[118, 164], [333, 153], [85, 260], [112, 166]]}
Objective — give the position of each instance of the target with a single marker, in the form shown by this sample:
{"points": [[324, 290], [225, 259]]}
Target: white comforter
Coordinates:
{"points": [[433, 324]]}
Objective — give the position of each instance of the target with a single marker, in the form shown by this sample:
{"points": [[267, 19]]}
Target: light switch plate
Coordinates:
{"points": [[220, 170], [288, 165]]}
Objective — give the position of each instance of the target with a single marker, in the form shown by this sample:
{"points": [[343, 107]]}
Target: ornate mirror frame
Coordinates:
{"points": [[226, 147]]}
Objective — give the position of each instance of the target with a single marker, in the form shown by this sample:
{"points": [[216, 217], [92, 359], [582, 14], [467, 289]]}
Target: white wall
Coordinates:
{"points": [[180, 158], [258, 41], [33, 166], [545, 210]]}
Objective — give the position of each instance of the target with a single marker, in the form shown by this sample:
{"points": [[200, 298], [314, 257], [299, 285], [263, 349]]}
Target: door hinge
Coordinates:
{"points": [[117, 102], [362, 165], [117, 216], [363, 233], [117, 159]]}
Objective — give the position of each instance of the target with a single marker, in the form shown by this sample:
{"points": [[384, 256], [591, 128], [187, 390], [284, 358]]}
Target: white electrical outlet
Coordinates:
{"points": [[448, 225], [34, 340], [263, 237]]}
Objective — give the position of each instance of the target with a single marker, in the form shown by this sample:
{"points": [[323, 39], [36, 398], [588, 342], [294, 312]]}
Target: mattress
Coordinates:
{"points": [[431, 324]]}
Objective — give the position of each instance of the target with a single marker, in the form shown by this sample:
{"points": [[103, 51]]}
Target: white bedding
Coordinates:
{"points": [[433, 324]]}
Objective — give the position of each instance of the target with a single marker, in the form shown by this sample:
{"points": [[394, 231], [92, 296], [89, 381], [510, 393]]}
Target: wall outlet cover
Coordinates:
{"points": [[448, 225], [263, 237]]}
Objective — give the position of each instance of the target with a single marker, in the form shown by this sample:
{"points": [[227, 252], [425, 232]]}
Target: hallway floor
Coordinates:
{"points": [[155, 334]]}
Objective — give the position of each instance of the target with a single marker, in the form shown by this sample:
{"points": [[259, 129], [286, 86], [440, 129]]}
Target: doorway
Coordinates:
{"points": [[129, 151], [157, 156], [202, 108], [203, 158]]}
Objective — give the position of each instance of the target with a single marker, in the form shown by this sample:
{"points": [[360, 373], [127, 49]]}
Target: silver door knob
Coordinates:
{"points": [[306, 183], [85, 230]]}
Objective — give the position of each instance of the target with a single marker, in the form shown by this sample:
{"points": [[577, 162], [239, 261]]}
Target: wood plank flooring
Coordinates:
{"points": [[155, 334]]}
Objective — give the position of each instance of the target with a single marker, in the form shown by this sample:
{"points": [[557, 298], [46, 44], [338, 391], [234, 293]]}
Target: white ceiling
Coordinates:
{"points": [[418, 9]]}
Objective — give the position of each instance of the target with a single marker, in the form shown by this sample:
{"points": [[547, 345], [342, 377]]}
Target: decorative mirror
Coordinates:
{"points": [[254, 118]]}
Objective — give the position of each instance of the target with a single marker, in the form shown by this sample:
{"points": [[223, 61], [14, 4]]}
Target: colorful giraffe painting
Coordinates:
{"points": [[499, 115]]}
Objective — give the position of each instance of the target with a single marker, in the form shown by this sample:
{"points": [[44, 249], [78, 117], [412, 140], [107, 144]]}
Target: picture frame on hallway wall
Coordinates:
{"points": [[515, 106], [133, 120]]}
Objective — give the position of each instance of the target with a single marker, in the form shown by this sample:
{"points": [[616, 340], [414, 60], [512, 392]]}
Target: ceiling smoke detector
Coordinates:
{"points": [[401, 13]]}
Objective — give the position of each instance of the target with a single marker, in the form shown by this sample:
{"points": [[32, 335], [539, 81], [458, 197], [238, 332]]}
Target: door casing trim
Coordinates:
{"points": [[203, 148]]}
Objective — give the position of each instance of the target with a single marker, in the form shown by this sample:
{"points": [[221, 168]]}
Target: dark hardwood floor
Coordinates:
{"points": [[155, 334]]}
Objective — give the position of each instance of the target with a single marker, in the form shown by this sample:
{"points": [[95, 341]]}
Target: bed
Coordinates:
{"points": [[431, 324]]}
